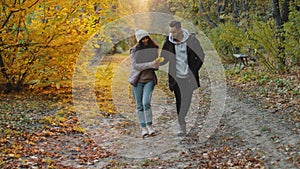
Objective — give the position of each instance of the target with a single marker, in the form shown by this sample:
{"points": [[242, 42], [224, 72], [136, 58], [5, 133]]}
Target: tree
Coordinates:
{"points": [[41, 39], [280, 17]]}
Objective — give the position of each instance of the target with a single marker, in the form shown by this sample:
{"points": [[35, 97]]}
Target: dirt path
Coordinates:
{"points": [[246, 137], [267, 134]]}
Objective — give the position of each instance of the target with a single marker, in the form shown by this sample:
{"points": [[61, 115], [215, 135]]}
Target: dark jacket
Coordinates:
{"points": [[195, 60]]}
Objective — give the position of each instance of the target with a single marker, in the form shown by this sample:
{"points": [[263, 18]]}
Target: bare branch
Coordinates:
{"points": [[206, 16]]}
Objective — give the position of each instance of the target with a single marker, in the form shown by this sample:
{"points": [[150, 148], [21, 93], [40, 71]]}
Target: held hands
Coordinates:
{"points": [[156, 62], [159, 59]]}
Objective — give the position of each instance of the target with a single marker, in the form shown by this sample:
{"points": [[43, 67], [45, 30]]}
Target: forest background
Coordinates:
{"points": [[40, 42]]}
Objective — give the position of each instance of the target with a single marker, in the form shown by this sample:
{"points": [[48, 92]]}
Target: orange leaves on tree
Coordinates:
{"points": [[40, 40]]}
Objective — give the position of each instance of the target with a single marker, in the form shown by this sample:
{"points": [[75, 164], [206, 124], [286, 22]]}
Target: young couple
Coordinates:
{"points": [[185, 56]]}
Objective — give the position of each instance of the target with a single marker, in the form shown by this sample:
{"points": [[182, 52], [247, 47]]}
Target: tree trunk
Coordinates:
{"points": [[8, 85], [285, 11], [221, 8], [276, 13], [279, 21], [235, 12], [245, 5], [206, 16]]}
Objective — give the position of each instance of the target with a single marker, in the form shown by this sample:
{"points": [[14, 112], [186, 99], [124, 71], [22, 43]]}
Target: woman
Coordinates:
{"points": [[143, 78]]}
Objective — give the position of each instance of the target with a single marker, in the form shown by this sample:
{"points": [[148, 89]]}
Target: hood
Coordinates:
{"points": [[140, 33], [185, 36]]}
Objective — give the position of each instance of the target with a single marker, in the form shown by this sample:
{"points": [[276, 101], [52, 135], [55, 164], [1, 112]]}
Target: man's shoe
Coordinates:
{"points": [[182, 131], [181, 134]]}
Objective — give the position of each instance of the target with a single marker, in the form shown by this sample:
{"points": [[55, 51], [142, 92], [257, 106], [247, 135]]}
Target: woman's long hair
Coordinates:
{"points": [[151, 44], [146, 53]]}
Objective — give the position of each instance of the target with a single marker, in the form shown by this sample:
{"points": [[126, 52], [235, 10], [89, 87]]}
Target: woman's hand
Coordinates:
{"points": [[155, 64], [157, 61], [160, 59]]}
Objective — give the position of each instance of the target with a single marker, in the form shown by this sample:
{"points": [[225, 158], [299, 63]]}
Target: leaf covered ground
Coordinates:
{"points": [[259, 128], [40, 130]]}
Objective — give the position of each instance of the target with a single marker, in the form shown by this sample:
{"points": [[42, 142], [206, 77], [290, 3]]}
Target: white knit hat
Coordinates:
{"points": [[139, 34]]}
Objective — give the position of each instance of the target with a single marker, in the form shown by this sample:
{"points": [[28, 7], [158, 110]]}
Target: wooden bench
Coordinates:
{"points": [[242, 58]]}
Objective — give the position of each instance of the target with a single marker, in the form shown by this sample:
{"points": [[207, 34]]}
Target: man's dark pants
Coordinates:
{"points": [[183, 93]]}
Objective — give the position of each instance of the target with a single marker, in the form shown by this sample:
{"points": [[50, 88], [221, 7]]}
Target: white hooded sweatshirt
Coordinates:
{"points": [[182, 67]]}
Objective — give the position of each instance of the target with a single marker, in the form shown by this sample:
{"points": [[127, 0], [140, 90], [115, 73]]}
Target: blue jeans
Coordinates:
{"points": [[142, 94]]}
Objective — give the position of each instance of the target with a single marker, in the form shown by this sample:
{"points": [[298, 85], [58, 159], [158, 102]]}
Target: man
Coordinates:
{"points": [[185, 56]]}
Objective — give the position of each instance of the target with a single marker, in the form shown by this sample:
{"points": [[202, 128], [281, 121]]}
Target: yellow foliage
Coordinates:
{"points": [[40, 40]]}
